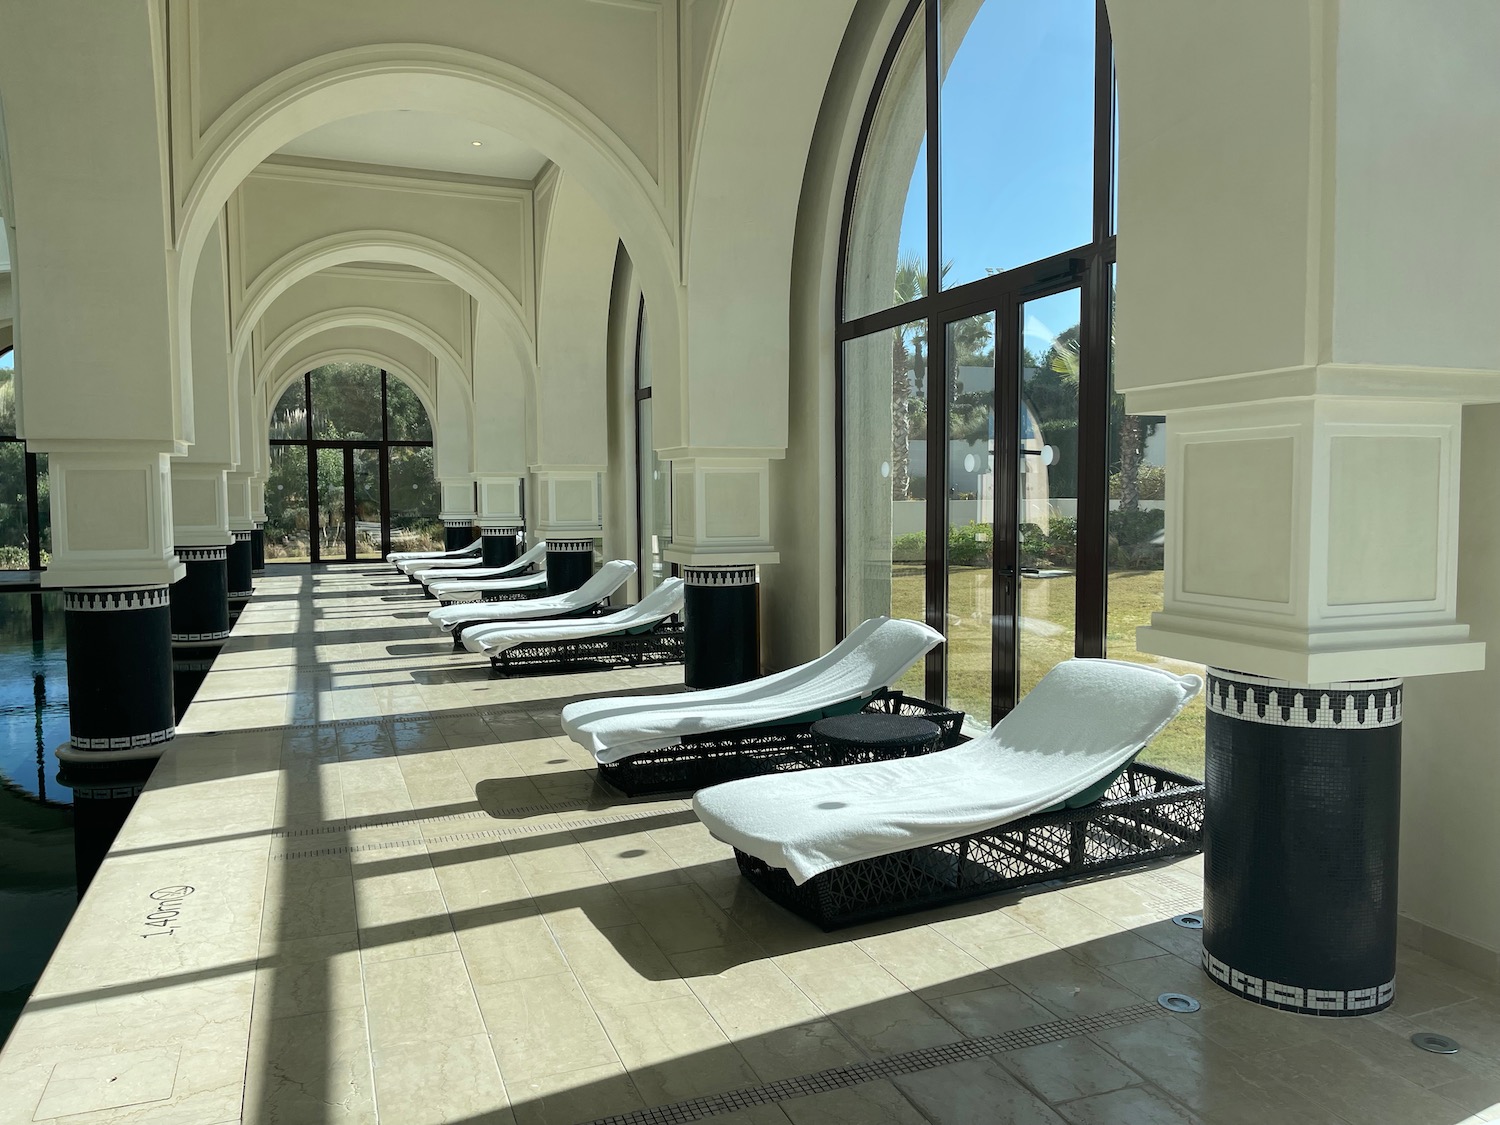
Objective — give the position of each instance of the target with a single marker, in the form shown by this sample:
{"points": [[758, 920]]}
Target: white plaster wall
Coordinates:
{"points": [[283, 209], [215, 408], [453, 439], [503, 390], [436, 305], [1418, 213], [762, 96], [99, 299], [1450, 833], [1219, 170], [573, 322]]}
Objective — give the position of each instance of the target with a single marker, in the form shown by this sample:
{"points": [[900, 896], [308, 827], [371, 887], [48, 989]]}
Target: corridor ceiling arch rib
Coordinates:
{"points": [[448, 81]]}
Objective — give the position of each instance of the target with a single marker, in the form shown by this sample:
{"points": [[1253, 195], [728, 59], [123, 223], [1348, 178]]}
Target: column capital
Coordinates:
{"points": [[721, 513], [111, 517], [567, 503], [1314, 540], [500, 502]]}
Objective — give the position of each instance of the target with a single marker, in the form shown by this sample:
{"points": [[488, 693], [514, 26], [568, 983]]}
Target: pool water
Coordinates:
{"points": [[38, 890]]}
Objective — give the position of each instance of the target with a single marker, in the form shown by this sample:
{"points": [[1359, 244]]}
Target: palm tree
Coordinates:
{"points": [[1132, 434]]}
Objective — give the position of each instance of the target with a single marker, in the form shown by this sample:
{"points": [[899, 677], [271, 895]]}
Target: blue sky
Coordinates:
{"points": [[1017, 121]]}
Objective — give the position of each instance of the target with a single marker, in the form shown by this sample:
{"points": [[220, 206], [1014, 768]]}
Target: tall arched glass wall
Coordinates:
{"points": [[990, 482], [653, 487], [351, 473]]}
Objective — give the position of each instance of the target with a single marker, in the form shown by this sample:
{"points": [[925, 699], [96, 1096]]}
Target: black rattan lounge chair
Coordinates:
{"points": [[1052, 792]]}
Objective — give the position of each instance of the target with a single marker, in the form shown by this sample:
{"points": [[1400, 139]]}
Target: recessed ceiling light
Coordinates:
{"points": [[476, 144]]}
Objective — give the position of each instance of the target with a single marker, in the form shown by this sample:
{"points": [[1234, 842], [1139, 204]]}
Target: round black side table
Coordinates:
{"points": [[871, 736]]}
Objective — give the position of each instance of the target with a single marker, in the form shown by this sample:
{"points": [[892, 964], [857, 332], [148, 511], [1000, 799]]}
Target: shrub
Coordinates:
{"points": [[1150, 481]]}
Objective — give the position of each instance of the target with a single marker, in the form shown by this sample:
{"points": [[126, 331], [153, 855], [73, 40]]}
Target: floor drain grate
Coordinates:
{"points": [[856, 1074]]}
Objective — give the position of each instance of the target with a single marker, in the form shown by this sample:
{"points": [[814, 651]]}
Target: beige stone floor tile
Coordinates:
{"points": [[992, 1011], [997, 952], [1067, 1069], [927, 963], [566, 1099], [310, 1069], [1480, 1096], [629, 859], [1386, 1041], [389, 872], [1067, 985], [674, 1050], [681, 918], [969, 1093], [1221, 1086], [407, 925], [306, 975], [1086, 934], [1132, 1106], [872, 1103], [542, 1026], [436, 1083], [620, 965], [1345, 1082], [302, 907], [503, 944], [420, 1000], [1474, 1023]]}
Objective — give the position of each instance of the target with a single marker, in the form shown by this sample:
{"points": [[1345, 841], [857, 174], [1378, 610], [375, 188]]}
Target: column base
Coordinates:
{"points": [[457, 534], [239, 566], [722, 614], [500, 545], [570, 563], [258, 551], [200, 601], [1301, 836], [120, 708]]}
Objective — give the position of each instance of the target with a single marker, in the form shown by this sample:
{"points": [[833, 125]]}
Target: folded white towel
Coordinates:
{"points": [[609, 578], [874, 656], [655, 607], [1084, 721], [536, 556], [473, 548]]}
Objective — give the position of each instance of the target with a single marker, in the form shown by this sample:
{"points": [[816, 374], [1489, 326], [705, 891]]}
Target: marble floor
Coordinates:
{"points": [[368, 882]]}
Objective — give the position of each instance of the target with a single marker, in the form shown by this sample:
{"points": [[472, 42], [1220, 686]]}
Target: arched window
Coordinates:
{"points": [[974, 384], [352, 474]]}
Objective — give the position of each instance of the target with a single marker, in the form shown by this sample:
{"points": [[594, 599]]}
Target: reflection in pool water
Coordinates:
{"points": [[37, 886]]}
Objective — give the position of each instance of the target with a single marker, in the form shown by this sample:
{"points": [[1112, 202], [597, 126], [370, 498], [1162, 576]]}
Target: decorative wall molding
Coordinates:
{"points": [[202, 554], [720, 575], [569, 546], [124, 742], [116, 599], [461, 522], [200, 638], [1295, 998], [241, 536], [1361, 704]]}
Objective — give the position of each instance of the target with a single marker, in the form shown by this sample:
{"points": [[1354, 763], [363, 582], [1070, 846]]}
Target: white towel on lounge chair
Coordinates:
{"points": [[463, 590], [476, 548], [415, 568], [518, 566], [655, 607], [874, 656], [1085, 720], [609, 578]]}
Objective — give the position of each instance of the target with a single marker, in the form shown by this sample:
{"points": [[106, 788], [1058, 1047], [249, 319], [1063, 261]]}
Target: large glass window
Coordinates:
{"points": [[653, 476], [974, 393], [351, 469], [25, 515]]}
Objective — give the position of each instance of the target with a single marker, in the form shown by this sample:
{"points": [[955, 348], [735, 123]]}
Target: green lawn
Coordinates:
{"points": [[1047, 610]]}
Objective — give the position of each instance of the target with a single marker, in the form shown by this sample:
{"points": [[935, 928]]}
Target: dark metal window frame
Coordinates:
{"points": [[383, 446], [642, 394], [33, 498], [1086, 268]]}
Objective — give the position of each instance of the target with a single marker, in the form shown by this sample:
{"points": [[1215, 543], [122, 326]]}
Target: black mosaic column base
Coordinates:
{"points": [[721, 612], [240, 566], [570, 563], [457, 534], [500, 545], [190, 667], [119, 646], [200, 599], [258, 551], [1301, 833]]}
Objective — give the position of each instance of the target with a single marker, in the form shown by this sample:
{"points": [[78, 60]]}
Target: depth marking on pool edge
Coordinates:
{"points": [[856, 1074]]}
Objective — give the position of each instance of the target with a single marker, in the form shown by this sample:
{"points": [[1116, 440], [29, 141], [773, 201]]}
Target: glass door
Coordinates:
{"points": [[1009, 521], [363, 476], [349, 483]]}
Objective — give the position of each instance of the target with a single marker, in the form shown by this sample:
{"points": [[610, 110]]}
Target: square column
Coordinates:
{"points": [[458, 512], [500, 522], [569, 516], [721, 535]]}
